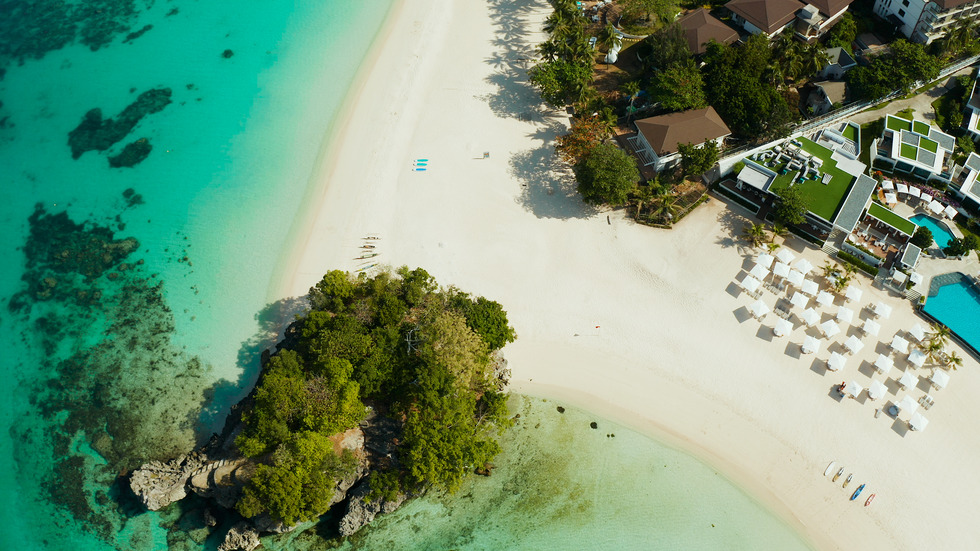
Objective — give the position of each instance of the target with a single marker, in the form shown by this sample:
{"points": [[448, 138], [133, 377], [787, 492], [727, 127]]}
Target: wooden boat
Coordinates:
{"points": [[848, 481], [366, 256], [857, 492], [830, 468], [840, 472], [870, 499]]}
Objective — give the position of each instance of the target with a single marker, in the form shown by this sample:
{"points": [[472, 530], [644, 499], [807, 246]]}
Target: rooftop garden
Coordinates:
{"points": [[897, 124], [825, 199], [920, 127], [928, 144], [850, 132], [908, 151], [887, 216]]}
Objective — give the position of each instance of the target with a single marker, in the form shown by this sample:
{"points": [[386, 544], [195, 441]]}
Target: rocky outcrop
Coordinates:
{"points": [[133, 154], [241, 537], [361, 512], [159, 484], [96, 133]]}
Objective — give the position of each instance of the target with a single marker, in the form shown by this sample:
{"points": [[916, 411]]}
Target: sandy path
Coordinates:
{"points": [[674, 354]]}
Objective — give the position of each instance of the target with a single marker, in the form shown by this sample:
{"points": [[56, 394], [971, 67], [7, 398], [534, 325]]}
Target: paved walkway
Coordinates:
{"points": [[921, 103]]}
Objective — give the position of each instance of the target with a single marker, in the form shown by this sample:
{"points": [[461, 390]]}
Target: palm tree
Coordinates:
{"points": [[815, 58], [771, 247], [953, 361], [940, 333], [631, 89], [666, 205], [849, 269], [754, 234], [841, 283], [935, 350], [778, 230], [829, 269], [549, 50], [642, 195], [608, 37]]}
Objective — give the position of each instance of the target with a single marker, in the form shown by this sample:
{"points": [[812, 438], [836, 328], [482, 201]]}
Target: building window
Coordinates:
{"points": [[905, 3], [901, 13]]}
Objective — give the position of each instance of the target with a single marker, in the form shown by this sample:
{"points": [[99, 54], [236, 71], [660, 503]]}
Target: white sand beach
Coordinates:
{"points": [[640, 325]]}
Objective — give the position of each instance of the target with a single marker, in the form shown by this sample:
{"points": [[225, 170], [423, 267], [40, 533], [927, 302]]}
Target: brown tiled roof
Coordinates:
{"points": [[950, 4], [664, 132], [830, 7], [700, 26], [768, 15]]}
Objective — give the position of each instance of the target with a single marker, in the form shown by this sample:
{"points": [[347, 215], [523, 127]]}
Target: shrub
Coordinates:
{"points": [[858, 263]]}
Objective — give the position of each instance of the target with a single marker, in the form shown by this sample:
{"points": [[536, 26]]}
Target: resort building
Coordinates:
{"points": [[966, 182], [824, 167], [926, 20], [914, 147], [824, 96], [840, 62], [657, 138], [818, 16], [767, 17], [700, 27], [972, 118]]}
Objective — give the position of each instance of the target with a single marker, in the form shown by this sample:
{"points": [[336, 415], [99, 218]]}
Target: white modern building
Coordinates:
{"points": [[972, 117], [914, 147], [966, 182], [926, 20]]}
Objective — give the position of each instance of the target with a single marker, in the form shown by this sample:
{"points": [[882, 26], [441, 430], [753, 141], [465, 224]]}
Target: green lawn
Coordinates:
{"points": [[887, 216], [928, 144], [850, 132], [908, 151], [824, 199], [921, 128], [897, 124]]}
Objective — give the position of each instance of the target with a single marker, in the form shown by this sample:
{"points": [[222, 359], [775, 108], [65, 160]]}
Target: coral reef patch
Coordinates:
{"points": [[96, 133], [133, 154]]}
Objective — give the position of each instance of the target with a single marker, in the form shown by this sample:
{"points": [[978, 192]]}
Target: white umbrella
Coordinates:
{"points": [[908, 380], [917, 358], [751, 284], [908, 404], [836, 361], [844, 314], [780, 269], [884, 364], [936, 207], [950, 212], [853, 293], [918, 422], [809, 287], [765, 259], [783, 327], [883, 310], [785, 256], [940, 379], [914, 191], [876, 390], [887, 184], [853, 389], [891, 198], [829, 328], [899, 277], [759, 309], [918, 332], [871, 327], [900, 345], [915, 278], [853, 344], [796, 278], [759, 272], [901, 188], [810, 345], [810, 317], [825, 298], [803, 265], [800, 300]]}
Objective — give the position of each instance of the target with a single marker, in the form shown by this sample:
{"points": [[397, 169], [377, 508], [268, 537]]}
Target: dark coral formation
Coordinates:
{"points": [[136, 34], [96, 133], [133, 154]]}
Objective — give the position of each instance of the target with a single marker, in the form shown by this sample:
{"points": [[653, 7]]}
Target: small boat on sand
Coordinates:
{"points": [[857, 492], [870, 499], [848, 480], [366, 256], [840, 472], [830, 468]]}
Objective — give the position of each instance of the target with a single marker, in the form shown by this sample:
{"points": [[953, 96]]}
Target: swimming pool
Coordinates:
{"points": [[940, 233], [956, 305]]}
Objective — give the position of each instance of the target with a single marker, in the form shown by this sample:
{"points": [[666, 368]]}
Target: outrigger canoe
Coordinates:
{"points": [[857, 492], [840, 472], [870, 499], [830, 468], [848, 481]]}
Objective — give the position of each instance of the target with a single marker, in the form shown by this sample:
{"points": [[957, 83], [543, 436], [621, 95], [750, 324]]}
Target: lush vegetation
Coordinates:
{"points": [[606, 175], [960, 247], [418, 353], [843, 33], [679, 87], [858, 263], [564, 75], [698, 158], [906, 64], [792, 206], [922, 238]]}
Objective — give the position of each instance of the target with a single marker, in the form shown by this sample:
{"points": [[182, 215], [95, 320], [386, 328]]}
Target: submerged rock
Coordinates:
{"points": [[96, 133], [133, 154]]}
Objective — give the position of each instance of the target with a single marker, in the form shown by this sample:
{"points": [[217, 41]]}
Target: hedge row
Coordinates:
{"points": [[858, 263]]}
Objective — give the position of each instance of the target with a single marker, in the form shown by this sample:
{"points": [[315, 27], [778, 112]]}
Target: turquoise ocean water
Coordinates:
{"points": [[134, 301]]}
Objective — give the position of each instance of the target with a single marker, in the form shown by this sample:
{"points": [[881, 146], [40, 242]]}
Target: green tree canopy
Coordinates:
{"points": [[560, 82], [586, 133], [607, 175], [843, 33], [792, 206], [922, 238], [698, 159], [679, 88], [665, 48]]}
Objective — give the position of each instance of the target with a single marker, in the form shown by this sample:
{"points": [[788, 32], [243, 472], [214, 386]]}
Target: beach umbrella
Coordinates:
{"points": [[915, 278], [810, 317], [899, 277], [810, 345], [936, 207], [891, 198], [908, 404], [853, 344], [785, 256], [836, 361], [883, 310], [809, 287], [751, 284], [844, 314], [871, 327], [914, 191], [908, 380], [759, 309], [917, 358], [825, 298], [900, 345], [918, 332], [800, 300], [887, 184], [939, 379], [765, 259], [884, 364], [876, 390], [803, 265], [902, 188], [853, 389], [759, 272], [780, 269], [853, 293], [796, 278], [950, 212], [829, 328], [783, 327], [918, 422]]}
